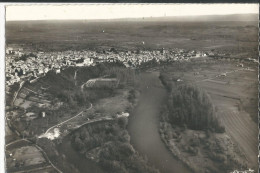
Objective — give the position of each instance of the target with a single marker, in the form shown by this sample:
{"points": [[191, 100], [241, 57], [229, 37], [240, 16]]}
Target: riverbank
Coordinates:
{"points": [[203, 152]]}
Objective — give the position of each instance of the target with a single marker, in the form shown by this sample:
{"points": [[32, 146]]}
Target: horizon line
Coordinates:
{"points": [[151, 17]]}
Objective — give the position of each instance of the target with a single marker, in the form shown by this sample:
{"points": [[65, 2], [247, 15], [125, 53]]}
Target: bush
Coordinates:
{"points": [[193, 150], [218, 157], [131, 97]]}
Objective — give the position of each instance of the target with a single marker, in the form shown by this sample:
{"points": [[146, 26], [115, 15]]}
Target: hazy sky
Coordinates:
{"points": [[110, 11]]}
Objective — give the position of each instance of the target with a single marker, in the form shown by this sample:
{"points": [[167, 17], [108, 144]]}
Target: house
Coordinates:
{"points": [[43, 114], [122, 114], [40, 70], [9, 50], [57, 70], [111, 60], [223, 74], [255, 61], [88, 61], [30, 115], [211, 54], [198, 55], [126, 65], [46, 70], [80, 64]]}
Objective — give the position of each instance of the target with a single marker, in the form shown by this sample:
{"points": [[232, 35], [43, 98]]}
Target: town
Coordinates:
{"points": [[24, 65]]}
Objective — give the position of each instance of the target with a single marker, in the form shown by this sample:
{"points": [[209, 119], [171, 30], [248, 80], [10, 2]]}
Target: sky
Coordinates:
{"points": [[113, 11]]}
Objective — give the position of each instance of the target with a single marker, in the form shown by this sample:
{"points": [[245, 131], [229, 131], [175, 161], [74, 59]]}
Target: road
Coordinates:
{"points": [[34, 169], [143, 126], [17, 92], [47, 131], [71, 124], [75, 77], [208, 79]]}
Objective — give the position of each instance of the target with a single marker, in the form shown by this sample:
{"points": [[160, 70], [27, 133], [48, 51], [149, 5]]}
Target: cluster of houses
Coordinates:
{"points": [[135, 59], [36, 64]]}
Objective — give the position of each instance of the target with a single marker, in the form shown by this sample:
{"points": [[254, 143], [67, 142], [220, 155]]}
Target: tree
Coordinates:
{"points": [[122, 122]]}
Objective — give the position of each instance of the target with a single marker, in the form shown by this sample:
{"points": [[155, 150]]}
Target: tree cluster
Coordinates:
{"points": [[116, 154], [190, 106]]}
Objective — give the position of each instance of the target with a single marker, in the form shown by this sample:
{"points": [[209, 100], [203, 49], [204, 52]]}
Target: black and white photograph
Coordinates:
{"points": [[131, 88]]}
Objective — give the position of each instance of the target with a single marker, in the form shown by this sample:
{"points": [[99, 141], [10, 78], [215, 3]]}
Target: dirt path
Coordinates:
{"points": [[50, 132], [144, 124]]}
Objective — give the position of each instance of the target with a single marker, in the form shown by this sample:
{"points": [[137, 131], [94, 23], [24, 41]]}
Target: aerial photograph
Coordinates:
{"points": [[131, 88]]}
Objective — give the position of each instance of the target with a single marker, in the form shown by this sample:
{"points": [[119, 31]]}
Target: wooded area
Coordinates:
{"points": [[114, 152], [189, 106]]}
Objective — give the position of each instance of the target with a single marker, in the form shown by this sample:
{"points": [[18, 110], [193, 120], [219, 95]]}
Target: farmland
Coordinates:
{"points": [[22, 155], [237, 38], [232, 90]]}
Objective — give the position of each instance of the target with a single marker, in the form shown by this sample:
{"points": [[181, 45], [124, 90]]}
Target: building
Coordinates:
{"points": [[102, 83], [57, 70]]}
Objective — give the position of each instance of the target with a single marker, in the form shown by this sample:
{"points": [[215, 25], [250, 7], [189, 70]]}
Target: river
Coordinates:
{"points": [[144, 124], [143, 129]]}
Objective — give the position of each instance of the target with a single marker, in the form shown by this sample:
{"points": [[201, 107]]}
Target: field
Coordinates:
{"points": [[238, 37], [234, 97], [21, 156], [228, 99]]}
